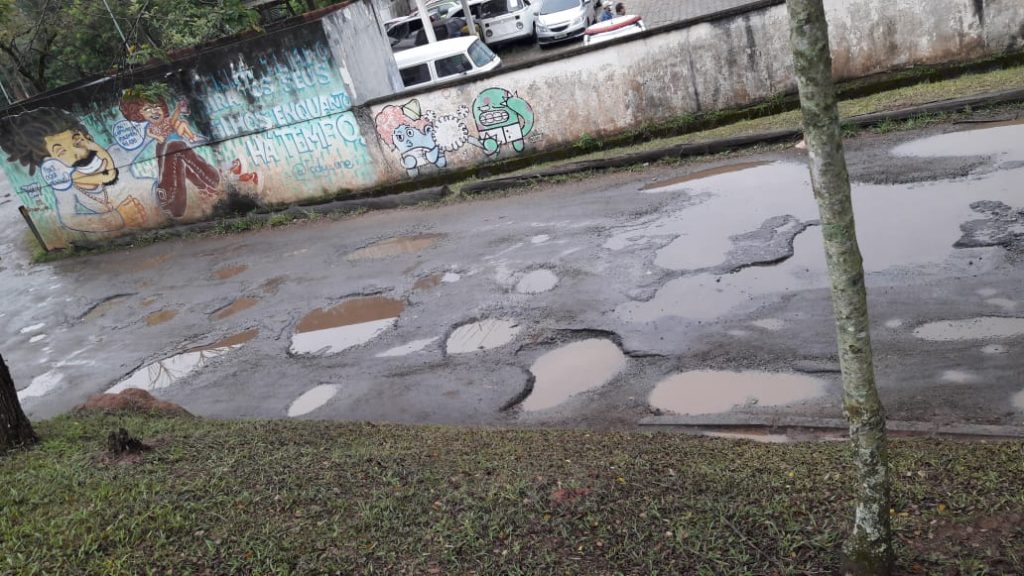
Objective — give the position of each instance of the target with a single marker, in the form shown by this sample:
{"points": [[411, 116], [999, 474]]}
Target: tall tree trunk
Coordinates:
{"points": [[869, 549], [15, 429]]}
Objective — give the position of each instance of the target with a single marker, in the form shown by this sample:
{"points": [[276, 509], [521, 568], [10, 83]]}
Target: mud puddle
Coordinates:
{"points": [[980, 328], [157, 318], [714, 392], [166, 372], [229, 271], [312, 399], [1002, 141], [537, 282], [700, 175], [428, 282], [891, 231], [483, 335], [270, 287], [395, 246], [235, 307], [353, 322], [573, 369]]}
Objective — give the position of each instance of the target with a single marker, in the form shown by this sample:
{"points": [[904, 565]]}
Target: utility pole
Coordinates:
{"points": [[470, 20], [428, 26]]}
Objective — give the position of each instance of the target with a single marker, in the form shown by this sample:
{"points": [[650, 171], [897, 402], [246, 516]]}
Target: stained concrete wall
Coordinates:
{"points": [[283, 118], [722, 63]]}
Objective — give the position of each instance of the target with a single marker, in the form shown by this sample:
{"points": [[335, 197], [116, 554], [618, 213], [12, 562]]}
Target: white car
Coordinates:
{"points": [[501, 20], [445, 60], [614, 28]]}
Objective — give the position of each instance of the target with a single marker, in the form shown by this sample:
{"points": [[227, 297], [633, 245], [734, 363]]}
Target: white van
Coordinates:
{"points": [[502, 20], [445, 60]]}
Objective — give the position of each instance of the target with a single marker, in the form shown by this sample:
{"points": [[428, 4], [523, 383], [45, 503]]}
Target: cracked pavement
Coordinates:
{"points": [[450, 313]]}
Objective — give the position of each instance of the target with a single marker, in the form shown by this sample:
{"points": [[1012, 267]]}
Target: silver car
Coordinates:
{"points": [[560, 20]]}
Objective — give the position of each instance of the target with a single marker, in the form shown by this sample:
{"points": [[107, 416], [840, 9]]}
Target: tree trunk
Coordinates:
{"points": [[869, 550], [15, 429]]}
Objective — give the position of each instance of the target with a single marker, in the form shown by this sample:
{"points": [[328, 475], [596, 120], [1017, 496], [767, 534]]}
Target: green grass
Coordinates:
{"points": [[287, 497]]}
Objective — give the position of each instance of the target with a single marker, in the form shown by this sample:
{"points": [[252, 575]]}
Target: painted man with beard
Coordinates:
{"points": [[77, 169]]}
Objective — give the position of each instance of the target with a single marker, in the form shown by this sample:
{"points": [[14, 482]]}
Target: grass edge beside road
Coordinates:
{"points": [[299, 497]]}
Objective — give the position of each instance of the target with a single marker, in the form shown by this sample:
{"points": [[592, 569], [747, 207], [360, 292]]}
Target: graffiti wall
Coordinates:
{"points": [[496, 122], [270, 120]]}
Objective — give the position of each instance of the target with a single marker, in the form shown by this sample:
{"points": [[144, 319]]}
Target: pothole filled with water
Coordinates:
{"points": [[395, 246], [229, 271], [714, 392], [352, 322], [573, 369], [537, 282], [980, 328], [312, 399], [483, 335], [164, 373], [659, 185], [428, 282], [407, 349], [101, 309], [235, 307], [157, 318]]}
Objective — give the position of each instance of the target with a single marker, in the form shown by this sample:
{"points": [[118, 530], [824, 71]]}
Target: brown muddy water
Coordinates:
{"points": [[573, 369], [352, 322], [714, 392], [395, 246]]}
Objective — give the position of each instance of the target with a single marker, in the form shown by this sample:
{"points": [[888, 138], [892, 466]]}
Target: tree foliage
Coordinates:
{"points": [[49, 43]]}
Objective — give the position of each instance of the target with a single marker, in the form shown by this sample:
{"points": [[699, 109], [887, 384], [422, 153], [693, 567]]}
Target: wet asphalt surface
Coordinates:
{"points": [[712, 267]]}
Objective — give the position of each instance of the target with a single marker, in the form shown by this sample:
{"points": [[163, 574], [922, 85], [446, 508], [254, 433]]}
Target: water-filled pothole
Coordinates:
{"points": [[312, 399], [702, 174], [352, 322], [537, 282], [229, 271], [980, 328], [483, 335], [428, 282], [395, 246], [713, 392], [572, 369], [157, 318], [166, 372], [235, 307]]}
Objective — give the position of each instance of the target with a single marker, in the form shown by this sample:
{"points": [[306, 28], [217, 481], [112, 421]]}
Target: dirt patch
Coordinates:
{"points": [[993, 536], [235, 307], [131, 400], [229, 271], [157, 318], [568, 495]]}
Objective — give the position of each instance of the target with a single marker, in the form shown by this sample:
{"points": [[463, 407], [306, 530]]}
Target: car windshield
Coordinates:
{"points": [[493, 8], [552, 6]]}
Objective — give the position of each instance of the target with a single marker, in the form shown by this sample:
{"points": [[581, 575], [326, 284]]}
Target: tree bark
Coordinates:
{"points": [[15, 429], [869, 549]]}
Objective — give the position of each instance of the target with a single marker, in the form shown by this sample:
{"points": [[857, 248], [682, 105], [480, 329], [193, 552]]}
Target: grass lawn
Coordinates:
{"points": [[293, 497]]}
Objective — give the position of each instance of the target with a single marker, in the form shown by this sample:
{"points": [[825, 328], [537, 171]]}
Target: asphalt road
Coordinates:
{"points": [[698, 288]]}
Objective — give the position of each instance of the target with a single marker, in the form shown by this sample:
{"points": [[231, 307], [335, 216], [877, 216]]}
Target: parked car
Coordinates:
{"points": [[502, 20], [445, 60], [560, 20], [614, 28]]}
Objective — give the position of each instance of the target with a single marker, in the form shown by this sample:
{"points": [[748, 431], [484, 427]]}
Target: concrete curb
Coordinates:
{"points": [[717, 421], [739, 142]]}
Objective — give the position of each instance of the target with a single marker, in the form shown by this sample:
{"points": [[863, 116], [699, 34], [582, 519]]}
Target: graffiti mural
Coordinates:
{"points": [[502, 117], [423, 138]]}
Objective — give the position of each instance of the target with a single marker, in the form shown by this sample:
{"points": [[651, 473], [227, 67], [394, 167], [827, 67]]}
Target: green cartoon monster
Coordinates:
{"points": [[502, 118]]}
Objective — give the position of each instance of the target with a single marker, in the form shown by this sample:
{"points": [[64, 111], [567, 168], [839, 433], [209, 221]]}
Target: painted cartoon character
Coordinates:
{"points": [[408, 131], [502, 118], [178, 163], [81, 173]]}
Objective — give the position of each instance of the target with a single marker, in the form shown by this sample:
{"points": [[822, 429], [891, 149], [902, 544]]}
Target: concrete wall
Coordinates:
{"points": [[269, 118], [286, 117], [713, 65]]}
